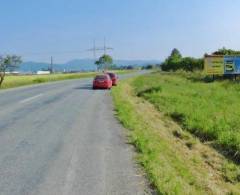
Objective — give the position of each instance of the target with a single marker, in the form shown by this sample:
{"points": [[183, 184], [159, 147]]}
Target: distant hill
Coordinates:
{"points": [[79, 65], [32, 66], [135, 62]]}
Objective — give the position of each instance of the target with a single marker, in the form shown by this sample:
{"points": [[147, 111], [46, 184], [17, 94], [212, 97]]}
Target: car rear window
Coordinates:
{"points": [[100, 77], [112, 75]]}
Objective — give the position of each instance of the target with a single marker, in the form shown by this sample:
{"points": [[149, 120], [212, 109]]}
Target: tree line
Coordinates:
{"points": [[176, 62]]}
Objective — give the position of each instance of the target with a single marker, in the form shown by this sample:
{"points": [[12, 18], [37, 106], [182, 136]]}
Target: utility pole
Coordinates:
{"points": [[51, 66], [94, 50], [105, 49]]}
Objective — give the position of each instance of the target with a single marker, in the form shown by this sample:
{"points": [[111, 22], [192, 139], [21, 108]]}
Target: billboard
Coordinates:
{"points": [[232, 65], [219, 65], [214, 65]]}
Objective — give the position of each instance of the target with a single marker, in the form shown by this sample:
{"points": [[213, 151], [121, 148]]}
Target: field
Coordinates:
{"points": [[16, 81], [208, 110], [176, 122]]}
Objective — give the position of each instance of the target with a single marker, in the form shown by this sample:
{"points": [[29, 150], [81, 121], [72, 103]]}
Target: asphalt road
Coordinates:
{"points": [[62, 138]]}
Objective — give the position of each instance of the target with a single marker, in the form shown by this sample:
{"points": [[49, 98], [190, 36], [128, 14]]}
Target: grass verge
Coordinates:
{"points": [[174, 160], [208, 110]]}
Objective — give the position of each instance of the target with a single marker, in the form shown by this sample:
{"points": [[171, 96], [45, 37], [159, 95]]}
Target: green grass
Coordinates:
{"points": [[209, 110], [16, 81], [149, 146], [175, 161]]}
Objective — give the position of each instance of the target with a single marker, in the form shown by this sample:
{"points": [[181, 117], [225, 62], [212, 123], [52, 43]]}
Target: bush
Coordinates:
{"points": [[175, 62]]}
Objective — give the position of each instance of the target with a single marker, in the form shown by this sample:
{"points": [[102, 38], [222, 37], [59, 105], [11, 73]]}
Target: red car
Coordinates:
{"points": [[102, 82], [114, 78]]}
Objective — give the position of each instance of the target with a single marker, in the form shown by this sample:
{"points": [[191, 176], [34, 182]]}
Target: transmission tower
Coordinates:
{"points": [[95, 49]]}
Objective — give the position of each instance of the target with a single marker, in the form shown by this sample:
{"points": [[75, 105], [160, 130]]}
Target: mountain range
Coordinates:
{"points": [[79, 65]]}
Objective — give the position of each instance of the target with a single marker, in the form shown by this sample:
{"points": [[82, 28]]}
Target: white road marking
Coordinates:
{"points": [[31, 98]]}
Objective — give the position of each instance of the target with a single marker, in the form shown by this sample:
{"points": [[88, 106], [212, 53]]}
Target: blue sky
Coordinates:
{"points": [[137, 29]]}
